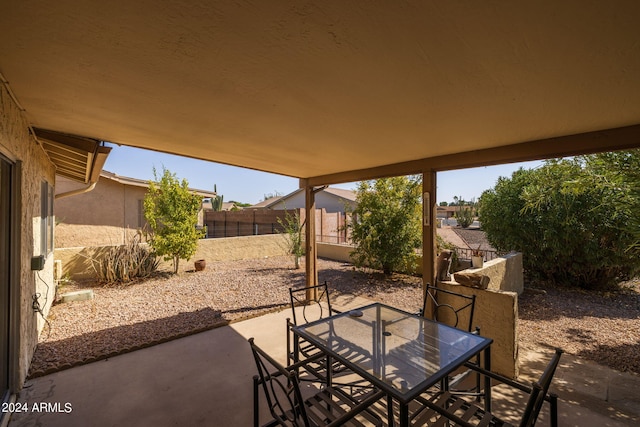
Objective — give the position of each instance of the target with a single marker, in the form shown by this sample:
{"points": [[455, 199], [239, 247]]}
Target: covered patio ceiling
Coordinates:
{"points": [[331, 91]]}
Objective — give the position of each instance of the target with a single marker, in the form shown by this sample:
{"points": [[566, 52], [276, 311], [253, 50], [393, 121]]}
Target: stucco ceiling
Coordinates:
{"points": [[311, 88]]}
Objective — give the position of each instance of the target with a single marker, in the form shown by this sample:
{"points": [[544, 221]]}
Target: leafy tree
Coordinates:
{"points": [[575, 220], [295, 236], [172, 213], [444, 204], [386, 228]]}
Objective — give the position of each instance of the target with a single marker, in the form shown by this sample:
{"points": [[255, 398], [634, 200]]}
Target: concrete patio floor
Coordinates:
{"points": [[206, 380]]}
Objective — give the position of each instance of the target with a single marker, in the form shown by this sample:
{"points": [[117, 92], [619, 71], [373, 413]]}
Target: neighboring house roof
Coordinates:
{"points": [[226, 206], [340, 192], [125, 180], [266, 203], [346, 195]]}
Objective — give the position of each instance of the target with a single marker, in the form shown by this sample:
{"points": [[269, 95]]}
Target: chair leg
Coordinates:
{"points": [[256, 405], [554, 409]]}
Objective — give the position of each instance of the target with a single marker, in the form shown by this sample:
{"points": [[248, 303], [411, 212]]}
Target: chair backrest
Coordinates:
{"points": [[314, 300], [281, 388], [449, 307], [539, 392]]}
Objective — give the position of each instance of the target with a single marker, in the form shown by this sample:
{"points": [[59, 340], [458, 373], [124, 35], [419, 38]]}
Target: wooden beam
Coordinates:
{"points": [[622, 138], [311, 258], [428, 228]]}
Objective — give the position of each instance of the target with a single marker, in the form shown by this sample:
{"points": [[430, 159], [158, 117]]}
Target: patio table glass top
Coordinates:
{"points": [[402, 353]]}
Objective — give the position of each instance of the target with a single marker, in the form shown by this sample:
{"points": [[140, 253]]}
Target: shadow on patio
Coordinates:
{"points": [[206, 379]]}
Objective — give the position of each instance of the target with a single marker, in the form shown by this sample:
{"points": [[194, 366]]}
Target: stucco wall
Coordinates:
{"points": [[335, 252], [341, 253], [110, 205], [496, 314], [20, 148], [74, 235], [505, 273], [77, 262], [496, 309]]}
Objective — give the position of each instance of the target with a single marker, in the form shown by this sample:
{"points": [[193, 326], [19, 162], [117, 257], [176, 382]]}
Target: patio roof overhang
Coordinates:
{"points": [[76, 158], [331, 91]]}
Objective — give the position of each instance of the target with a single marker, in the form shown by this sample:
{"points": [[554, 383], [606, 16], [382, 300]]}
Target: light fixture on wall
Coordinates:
{"points": [[426, 209]]}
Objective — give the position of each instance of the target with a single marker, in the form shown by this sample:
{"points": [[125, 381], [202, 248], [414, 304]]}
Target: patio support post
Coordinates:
{"points": [[311, 258], [428, 228]]}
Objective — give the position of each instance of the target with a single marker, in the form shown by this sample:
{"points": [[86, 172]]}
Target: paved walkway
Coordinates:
{"points": [[449, 235], [205, 380]]}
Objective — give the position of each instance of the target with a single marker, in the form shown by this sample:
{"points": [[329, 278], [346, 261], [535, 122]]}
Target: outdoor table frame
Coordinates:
{"points": [[405, 354]]}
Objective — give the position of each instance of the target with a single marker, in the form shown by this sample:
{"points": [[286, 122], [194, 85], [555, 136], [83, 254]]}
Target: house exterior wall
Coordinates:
{"points": [[33, 167], [107, 215]]}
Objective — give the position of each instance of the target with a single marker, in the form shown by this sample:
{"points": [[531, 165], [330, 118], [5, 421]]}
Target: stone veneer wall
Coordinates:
{"points": [[21, 148]]}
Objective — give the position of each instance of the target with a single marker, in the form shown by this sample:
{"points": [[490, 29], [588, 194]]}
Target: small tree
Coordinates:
{"points": [[387, 223], [464, 216], [172, 213], [295, 237]]}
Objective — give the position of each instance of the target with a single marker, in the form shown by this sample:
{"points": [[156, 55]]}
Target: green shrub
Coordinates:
{"points": [[574, 220], [387, 225], [464, 217]]}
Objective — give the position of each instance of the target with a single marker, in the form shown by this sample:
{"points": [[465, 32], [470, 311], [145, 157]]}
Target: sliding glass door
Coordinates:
{"points": [[5, 272]]}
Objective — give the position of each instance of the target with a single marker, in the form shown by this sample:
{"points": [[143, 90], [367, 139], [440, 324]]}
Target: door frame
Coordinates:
{"points": [[14, 380]]}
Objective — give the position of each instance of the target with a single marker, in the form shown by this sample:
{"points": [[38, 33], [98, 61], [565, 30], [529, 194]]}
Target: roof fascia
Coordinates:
{"points": [[615, 139]]}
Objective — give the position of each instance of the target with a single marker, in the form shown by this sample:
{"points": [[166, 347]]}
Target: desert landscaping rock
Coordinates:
{"points": [[128, 317]]}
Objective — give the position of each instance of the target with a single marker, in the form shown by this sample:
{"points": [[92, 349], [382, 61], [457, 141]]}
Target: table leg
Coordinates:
{"points": [[404, 415], [487, 380], [390, 420]]}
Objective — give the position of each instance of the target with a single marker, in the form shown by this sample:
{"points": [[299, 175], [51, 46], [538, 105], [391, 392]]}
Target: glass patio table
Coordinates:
{"points": [[401, 353]]}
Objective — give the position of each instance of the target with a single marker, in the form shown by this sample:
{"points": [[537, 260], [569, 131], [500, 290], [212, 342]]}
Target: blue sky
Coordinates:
{"points": [[249, 186]]}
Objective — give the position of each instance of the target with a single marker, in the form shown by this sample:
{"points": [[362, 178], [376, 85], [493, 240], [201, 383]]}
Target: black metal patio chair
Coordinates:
{"points": [[454, 309], [327, 406], [316, 304], [447, 407]]}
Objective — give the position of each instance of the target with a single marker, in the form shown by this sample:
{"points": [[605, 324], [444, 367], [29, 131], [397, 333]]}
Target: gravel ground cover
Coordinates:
{"points": [[604, 327], [600, 326]]}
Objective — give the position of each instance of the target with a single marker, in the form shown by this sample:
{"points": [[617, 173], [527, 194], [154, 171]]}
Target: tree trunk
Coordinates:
{"points": [[176, 263]]}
